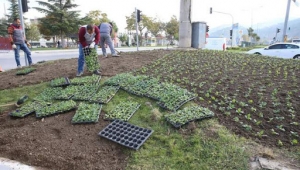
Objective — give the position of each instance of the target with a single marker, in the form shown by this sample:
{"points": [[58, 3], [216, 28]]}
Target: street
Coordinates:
{"points": [[7, 60]]}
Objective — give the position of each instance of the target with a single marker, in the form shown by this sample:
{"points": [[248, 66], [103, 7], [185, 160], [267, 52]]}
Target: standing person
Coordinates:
{"points": [[58, 44], [89, 36], [18, 41], [105, 31]]}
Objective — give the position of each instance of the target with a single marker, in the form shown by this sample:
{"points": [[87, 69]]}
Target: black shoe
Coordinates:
{"points": [[97, 72]]}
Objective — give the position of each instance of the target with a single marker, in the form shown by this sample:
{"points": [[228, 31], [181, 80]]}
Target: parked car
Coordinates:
{"points": [[282, 50], [296, 41]]}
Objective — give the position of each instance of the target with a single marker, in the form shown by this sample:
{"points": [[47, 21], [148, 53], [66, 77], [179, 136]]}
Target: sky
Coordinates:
{"points": [[257, 13]]}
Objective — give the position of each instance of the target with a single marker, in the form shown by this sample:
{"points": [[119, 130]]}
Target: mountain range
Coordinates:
{"points": [[265, 31]]}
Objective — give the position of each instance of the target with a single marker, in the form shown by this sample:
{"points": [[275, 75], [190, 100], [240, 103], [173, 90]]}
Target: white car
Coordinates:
{"points": [[282, 50]]}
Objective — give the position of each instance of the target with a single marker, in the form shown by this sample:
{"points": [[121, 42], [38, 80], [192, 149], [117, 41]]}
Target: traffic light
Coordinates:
{"points": [[25, 6], [138, 15], [278, 30], [210, 11], [207, 28], [230, 34]]}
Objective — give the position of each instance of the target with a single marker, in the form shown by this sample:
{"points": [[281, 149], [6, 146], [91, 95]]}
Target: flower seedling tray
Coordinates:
{"points": [[28, 109], [123, 111], [87, 113], [177, 106], [126, 134], [25, 71], [57, 108], [60, 82], [188, 114], [105, 94], [85, 92], [49, 94], [94, 79], [67, 93], [91, 59], [118, 79]]}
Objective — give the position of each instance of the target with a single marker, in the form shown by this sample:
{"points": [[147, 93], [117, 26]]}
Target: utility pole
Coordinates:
{"points": [[136, 26], [286, 19], [185, 24], [23, 25]]}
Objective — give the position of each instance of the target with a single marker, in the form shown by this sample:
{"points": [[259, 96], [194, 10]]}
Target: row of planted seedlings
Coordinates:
{"points": [[258, 93]]}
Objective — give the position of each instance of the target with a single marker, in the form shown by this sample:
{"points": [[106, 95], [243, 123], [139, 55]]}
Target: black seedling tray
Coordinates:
{"points": [[131, 92], [19, 74], [178, 125], [63, 85], [88, 122], [86, 51], [129, 115], [101, 102], [10, 114], [178, 106], [56, 113], [150, 97], [126, 134]]}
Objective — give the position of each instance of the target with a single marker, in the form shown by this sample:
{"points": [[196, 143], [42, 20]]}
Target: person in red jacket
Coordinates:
{"points": [[89, 36], [18, 41]]}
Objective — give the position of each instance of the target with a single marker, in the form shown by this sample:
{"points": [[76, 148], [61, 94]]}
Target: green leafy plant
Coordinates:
{"points": [[188, 114], [87, 113], [56, 108], [29, 108], [105, 94], [85, 92], [85, 80], [92, 61], [122, 111], [25, 71], [59, 82], [49, 94]]}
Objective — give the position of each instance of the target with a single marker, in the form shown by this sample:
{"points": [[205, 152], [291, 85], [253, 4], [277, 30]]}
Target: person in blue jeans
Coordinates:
{"points": [[89, 36], [18, 41], [105, 32]]}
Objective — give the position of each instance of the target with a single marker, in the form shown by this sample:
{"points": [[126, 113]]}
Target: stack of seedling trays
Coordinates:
{"points": [[87, 113], [60, 82], [188, 114], [57, 108], [104, 95], [94, 79], [25, 71], [85, 92], [126, 134], [67, 93], [28, 109], [174, 97], [49, 94], [123, 111]]}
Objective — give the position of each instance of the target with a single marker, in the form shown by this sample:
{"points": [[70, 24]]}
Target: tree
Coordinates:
{"points": [[14, 11], [144, 23], [32, 32], [3, 27], [155, 27], [172, 28], [58, 17], [95, 16]]}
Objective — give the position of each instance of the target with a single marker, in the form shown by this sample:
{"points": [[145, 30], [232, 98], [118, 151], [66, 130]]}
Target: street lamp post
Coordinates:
{"points": [[232, 22]]}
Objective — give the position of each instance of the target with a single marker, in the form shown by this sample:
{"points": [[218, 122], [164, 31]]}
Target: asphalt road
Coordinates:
{"points": [[7, 59]]}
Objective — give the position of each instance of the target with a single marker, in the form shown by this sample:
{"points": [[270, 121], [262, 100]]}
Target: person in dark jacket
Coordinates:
{"points": [[89, 36], [105, 32], [18, 41]]}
